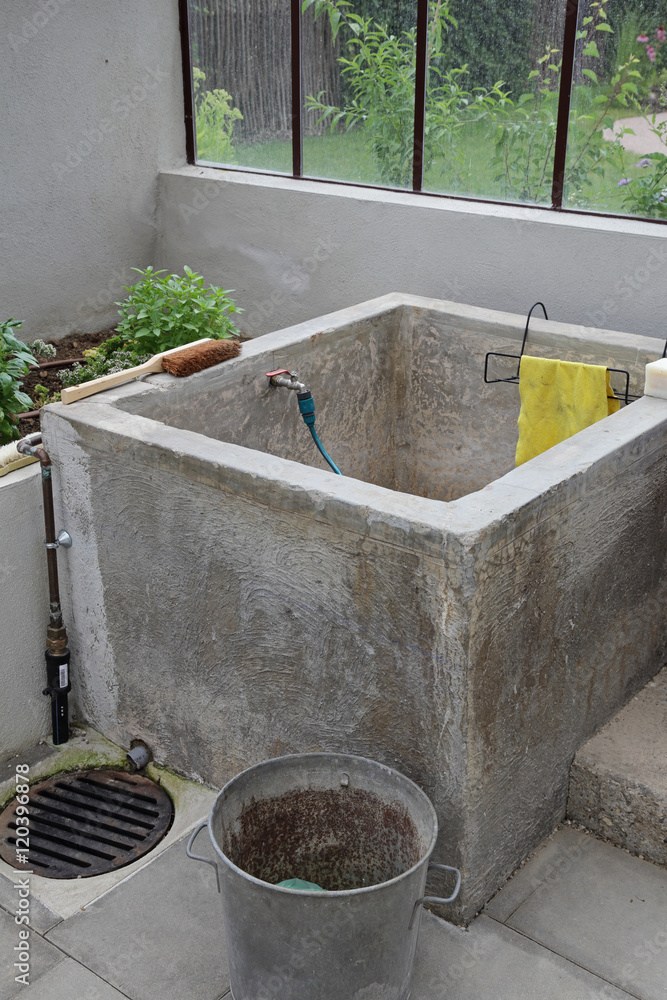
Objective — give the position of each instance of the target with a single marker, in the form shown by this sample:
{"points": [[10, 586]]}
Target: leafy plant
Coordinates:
{"points": [[98, 364], [42, 350], [42, 396], [379, 70], [15, 359], [168, 310], [214, 117], [525, 128]]}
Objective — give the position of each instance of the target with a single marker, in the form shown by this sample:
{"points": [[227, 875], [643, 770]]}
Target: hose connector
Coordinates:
{"points": [[307, 407]]}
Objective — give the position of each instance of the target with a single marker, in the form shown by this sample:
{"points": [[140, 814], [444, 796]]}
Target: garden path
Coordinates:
{"points": [[643, 141]]}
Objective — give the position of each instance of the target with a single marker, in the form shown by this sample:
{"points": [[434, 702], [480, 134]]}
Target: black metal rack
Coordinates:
{"points": [[625, 395]]}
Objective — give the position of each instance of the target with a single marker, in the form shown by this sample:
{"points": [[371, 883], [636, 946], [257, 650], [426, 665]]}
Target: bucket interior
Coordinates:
{"points": [[334, 821]]}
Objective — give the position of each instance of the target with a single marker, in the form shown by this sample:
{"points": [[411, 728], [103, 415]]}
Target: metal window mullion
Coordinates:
{"points": [[420, 95], [297, 102], [564, 98], [188, 97]]}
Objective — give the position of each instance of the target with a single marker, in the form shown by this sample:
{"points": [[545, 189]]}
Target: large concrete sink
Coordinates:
{"points": [[469, 623]]}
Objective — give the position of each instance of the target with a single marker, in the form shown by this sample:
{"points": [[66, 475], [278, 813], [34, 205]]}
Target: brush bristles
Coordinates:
{"points": [[196, 359]]}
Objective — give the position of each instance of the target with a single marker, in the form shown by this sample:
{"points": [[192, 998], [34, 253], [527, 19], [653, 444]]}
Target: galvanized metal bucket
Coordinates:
{"points": [[360, 830]]}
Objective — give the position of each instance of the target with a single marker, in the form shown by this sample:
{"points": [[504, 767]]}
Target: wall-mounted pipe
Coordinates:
{"points": [[57, 654]]}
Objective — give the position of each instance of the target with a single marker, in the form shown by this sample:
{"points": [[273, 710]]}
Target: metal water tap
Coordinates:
{"points": [[278, 378]]}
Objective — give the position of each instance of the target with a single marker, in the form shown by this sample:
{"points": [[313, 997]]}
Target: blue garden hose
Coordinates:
{"points": [[307, 411]]}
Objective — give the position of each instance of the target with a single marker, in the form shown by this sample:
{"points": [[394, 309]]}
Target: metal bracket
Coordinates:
{"points": [[63, 540]]}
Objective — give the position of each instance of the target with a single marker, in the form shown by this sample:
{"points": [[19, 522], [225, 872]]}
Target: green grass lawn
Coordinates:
{"points": [[472, 173]]}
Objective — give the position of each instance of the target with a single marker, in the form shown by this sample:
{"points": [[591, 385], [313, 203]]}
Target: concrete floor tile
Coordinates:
{"points": [[42, 918], [43, 957], [554, 855], [69, 980], [158, 935], [491, 962], [606, 911]]}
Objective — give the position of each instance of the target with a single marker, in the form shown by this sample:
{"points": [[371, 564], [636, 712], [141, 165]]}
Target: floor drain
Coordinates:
{"points": [[86, 823]]}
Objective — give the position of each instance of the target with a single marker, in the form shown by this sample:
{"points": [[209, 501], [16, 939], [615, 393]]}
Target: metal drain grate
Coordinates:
{"points": [[86, 823]]}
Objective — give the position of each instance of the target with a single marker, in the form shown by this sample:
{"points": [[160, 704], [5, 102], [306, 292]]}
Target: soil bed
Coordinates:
{"points": [[71, 346]]}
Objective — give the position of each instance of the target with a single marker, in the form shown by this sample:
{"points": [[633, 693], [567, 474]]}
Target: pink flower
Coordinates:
{"points": [[642, 38], [650, 52], [661, 34], [626, 180]]}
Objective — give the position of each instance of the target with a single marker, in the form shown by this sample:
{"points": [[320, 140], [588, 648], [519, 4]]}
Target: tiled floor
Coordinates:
{"points": [[581, 921]]}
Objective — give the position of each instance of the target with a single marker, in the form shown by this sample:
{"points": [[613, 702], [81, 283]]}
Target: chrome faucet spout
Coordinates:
{"points": [[286, 379]]}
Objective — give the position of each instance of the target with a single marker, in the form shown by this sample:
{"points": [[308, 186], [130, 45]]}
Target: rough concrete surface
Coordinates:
{"points": [[25, 715], [230, 604], [618, 780]]}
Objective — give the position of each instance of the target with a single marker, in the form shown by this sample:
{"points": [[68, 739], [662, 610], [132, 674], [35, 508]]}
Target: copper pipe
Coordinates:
{"points": [[56, 635]]}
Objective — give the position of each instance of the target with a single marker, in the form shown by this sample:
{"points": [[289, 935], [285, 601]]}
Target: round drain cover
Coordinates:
{"points": [[85, 823]]}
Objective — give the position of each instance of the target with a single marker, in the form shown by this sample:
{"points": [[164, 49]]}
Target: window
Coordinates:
{"points": [[555, 103]]}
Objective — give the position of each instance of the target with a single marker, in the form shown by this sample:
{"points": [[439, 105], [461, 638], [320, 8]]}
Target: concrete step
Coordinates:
{"points": [[618, 780]]}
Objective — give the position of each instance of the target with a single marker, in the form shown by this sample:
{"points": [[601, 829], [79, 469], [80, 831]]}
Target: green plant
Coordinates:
{"points": [[525, 128], [42, 350], [214, 118], [98, 364], [168, 310], [379, 70], [42, 396], [15, 359]]}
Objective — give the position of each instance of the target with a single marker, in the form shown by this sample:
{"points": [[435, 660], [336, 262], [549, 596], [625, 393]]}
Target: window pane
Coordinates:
{"points": [[492, 98], [359, 93], [617, 151], [241, 56]]}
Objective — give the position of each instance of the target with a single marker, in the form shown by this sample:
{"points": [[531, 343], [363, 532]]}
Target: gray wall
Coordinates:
{"points": [[296, 250], [24, 613], [92, 108], [93, 111]]}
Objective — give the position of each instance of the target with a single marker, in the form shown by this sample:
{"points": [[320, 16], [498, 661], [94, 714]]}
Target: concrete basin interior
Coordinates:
{"points": [[399, 394], [466, 622]]}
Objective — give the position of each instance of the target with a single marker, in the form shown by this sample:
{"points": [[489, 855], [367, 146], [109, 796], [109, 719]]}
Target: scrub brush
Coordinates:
{"points": [[181, 361], [10, 458]]}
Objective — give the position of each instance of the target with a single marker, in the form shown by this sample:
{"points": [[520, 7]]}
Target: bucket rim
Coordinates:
{"points": [[335, 893]]}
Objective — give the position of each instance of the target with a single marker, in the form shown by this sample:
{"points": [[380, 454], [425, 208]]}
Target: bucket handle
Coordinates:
{"points": [[200, 857], [438, 899]]}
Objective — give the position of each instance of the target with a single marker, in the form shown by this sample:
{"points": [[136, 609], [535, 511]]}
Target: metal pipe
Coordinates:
{"points": [[57, 654]]}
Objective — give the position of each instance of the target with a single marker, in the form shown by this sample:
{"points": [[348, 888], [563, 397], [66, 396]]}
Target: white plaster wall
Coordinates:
{"points": [[25, 714], [92, 107], [296, 250]]}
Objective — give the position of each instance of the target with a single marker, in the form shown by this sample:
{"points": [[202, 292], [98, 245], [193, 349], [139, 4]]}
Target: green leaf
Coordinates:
{"points": [[604, 27], [593, 76], [591, 50]]}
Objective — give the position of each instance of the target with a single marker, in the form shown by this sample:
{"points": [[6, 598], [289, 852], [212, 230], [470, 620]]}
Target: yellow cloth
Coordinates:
{"points": [[559, 398]]}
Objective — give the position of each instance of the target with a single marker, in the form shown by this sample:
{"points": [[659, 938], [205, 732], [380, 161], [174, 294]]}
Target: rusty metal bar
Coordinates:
{"points": [[188, 96], [297, 129], [564, 97], [421, 69]]}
